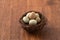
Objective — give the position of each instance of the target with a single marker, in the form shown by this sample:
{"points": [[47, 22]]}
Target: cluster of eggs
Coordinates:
{"points": [[31, 18]]}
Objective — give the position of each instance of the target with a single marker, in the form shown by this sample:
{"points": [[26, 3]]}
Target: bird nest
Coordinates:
{"points": [[33, 28]]}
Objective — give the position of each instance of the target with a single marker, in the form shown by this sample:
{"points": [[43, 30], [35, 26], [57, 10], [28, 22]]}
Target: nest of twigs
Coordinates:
{"points": [[33, 28]]}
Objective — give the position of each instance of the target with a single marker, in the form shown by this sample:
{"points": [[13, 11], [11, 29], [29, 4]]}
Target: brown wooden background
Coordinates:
{"points": [[12, 10]]}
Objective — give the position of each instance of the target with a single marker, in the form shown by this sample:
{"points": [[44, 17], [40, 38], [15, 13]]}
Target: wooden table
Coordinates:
{"points": [[12, 10]]}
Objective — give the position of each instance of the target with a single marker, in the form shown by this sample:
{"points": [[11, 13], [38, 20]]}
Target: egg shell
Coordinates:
{"points": [[37, 15], [32, 15], [27, 15], [38, 19], [26, 19], [32, 22]]}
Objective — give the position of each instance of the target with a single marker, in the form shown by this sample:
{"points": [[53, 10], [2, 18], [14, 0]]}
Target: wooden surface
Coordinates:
{"points": [[12, 10]]}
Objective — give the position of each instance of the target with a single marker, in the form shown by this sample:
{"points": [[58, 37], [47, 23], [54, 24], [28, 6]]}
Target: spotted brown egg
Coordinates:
{"points": [[32, 15]]}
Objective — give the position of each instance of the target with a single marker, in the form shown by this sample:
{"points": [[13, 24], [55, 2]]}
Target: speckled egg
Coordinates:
{"points": [[26, 19], [38, 19], [32, 15], [32, 22]]}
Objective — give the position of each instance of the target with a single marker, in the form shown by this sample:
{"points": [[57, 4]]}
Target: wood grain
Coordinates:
{"points": [[12, 10]]}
